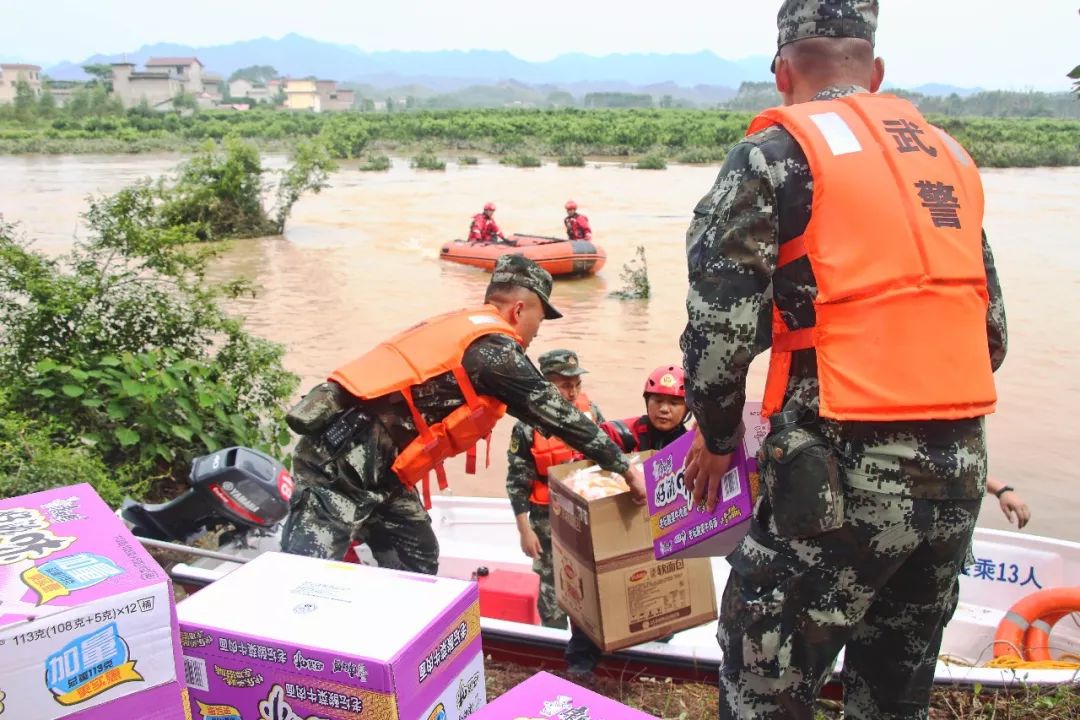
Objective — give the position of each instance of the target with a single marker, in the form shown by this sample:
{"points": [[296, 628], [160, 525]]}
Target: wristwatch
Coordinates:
{"points": [[1002, 491]]}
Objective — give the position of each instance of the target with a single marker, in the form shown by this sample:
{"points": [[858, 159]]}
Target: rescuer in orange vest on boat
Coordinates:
{"points": [[577, 225], [483, 227], [846, 231], [380, 425], [529, 457]]}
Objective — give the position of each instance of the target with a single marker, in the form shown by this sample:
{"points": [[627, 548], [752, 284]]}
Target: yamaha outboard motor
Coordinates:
{"points": [[235, 485]]}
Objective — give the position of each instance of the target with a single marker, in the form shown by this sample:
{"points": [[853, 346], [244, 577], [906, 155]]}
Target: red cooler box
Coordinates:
{"points": [[509, 595]]}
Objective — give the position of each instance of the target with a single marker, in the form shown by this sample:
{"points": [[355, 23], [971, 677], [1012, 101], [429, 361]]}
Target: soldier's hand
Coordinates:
{"points": [[1011, 505], [530, 544], [703, 473], [636, 482]]}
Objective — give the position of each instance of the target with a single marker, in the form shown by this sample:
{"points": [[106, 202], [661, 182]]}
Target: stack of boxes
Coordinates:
{"points": [[88, 627]]}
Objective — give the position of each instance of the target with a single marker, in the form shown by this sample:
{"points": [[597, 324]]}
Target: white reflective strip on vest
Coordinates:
{"points": [[836, 133], [482, 319], [954, 147]]}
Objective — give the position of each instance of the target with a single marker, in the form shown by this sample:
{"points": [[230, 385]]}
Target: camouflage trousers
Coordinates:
{"points": [[882, 586], [551, 615], [357, 496]]}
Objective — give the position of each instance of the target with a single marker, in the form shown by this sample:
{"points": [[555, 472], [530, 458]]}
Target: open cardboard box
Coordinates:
{"points": [[606, 577]]}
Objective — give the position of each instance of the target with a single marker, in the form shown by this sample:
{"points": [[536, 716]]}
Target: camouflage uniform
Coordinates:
{"points": [[520, 476], [354, 493], [885, 583]]}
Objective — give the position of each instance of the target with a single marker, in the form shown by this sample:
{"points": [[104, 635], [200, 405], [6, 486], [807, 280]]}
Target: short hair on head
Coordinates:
{"points": [[503, 293], [831, 60]]}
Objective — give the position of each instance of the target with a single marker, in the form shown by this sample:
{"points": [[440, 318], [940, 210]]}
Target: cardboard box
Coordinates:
{"points": [[287, 637], [87, 621], [606, 577], [546, 697], [681, 530]]}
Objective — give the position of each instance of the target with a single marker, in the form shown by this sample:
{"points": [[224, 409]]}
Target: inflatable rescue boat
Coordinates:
{"points": [[558, 256]]}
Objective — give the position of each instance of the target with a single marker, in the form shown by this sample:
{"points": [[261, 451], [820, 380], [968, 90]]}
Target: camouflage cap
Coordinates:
{"points": [[801, 19], [517, 269], [561, 362]]}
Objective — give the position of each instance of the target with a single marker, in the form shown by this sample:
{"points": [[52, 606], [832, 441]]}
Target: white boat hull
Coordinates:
{"points": [[475, 532]]}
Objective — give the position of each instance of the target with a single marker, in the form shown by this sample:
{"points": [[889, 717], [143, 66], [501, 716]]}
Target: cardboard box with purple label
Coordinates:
{"points": [[606, 577], [547, 697], [680, 530], [285, 637], [87, 622]]}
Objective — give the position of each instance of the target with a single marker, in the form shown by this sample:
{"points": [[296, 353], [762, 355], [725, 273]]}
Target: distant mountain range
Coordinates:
{"points": [[701, 77]]}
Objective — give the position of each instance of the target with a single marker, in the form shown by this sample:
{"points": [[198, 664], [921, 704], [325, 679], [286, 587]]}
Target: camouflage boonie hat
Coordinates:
{"points": [[801, 19], [520, 270], [561, 362]]}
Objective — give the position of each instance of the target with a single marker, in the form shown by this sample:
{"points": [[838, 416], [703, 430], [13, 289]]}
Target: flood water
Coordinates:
{"points": [[361, 260]]}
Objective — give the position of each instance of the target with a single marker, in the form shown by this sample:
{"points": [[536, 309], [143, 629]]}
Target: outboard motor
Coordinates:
{"points": [[235, 485]]}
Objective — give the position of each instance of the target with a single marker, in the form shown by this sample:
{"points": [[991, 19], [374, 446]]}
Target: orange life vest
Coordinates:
{"points": [[548, 452], [894, 241], [426, 350]]}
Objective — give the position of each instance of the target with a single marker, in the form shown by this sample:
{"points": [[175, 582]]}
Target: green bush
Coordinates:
{"points": [[521, 160], [124, 347], [428, 161], [376, 163], [469, 160], [652, 161], [702, 156], [573, 160], [31, 460]]}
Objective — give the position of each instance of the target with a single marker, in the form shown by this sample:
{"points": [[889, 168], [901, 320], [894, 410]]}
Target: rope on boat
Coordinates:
{"points": [[1013, 662]]}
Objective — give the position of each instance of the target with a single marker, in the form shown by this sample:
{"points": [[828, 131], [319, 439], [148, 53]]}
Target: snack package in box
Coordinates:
{"points": [[681, 530]]}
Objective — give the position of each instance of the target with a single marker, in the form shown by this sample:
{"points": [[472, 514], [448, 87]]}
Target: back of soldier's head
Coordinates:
{"points": [[823, 43]]}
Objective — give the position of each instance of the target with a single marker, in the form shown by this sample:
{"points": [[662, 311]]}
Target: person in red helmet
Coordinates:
{"points": [[664, 422], [577, 226], [665, 415], [483, 228]]}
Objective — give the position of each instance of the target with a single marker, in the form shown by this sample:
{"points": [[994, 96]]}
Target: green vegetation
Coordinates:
{"points": [[255, 74], [572, 160], [93, 123], [376, 163], [428, 161], [469, 160], [651, 161], [523, 160], [635, 278], [118, 364]]}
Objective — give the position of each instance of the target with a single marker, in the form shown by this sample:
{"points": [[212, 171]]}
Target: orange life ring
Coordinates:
{"points": [[1024, 632]]}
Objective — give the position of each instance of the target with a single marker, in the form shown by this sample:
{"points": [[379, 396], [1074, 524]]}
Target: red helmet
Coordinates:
{"points": [[666, 380], [571, 205], [489, 206]]}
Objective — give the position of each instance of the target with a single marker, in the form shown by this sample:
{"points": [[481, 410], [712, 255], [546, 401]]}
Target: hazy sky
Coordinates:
{"points": [[989, 43]]}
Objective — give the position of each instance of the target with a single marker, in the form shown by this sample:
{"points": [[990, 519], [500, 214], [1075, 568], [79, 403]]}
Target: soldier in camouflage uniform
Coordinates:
{"points": [[562, 369], [352, 493], [881, 578]]}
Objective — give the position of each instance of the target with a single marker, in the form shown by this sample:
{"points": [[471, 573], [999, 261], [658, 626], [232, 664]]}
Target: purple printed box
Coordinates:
{"points": [[87, 623], [681, 530], [291, 637], [546, 697]]}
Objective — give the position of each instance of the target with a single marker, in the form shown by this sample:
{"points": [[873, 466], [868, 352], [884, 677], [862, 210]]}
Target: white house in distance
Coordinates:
{"points": [[12, 73], [163, 79]]}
